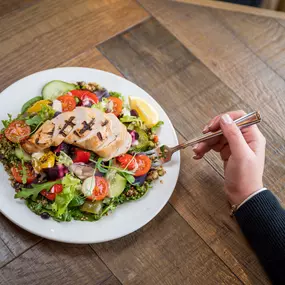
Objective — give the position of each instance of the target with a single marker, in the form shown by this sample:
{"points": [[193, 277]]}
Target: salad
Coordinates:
{"points": [[77, 151]]}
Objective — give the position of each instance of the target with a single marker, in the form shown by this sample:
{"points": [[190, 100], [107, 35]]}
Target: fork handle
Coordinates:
{"points": [[244, 121]]}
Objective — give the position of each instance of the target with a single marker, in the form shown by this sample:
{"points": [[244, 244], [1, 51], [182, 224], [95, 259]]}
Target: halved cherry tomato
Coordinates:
{"points": [[81, 155], [101, 189], [68, 102], [17, 172], [57, 188], [17, 131], [144, 164], [127, 160], [85, 95], [117, 105]]}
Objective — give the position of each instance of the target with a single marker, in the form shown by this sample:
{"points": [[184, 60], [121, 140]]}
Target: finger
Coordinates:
{"points": [[225, 152], [236, 141], [214, 124], [216, 144], [210, 123]]}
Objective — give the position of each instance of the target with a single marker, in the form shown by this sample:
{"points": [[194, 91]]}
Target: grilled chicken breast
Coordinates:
{"points": [[87, 128]]}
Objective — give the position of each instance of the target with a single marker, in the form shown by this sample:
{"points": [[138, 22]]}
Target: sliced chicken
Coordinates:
{"points": [[87, 128]]}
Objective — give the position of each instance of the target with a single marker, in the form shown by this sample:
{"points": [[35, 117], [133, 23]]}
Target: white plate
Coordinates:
{"points": [[128, 217]]}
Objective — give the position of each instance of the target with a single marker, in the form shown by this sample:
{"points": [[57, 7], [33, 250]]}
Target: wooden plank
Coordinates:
{"points": [[7, 6], [92, 59], [49, 262], [5, 254], [191, 95], [42, 44], [225, 55], [235, 7], [165, 251], [263, 36], [16, 239]]}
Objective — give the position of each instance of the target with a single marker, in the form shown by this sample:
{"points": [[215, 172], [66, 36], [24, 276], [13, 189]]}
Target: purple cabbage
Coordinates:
{"points": [[140, 179], [87, 103], [102, 93], [135, 136], [56, 114], [134, 113], [66, 148], [56, 172]]}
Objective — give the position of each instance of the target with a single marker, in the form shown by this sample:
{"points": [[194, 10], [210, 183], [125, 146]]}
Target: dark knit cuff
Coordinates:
{"points": [[262, 221]]}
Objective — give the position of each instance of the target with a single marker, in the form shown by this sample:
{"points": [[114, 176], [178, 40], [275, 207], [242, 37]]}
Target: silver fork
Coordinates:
{"points": [[163, 153]]}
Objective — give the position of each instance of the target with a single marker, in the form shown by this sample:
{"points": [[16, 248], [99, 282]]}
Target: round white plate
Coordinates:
{"points": [[128, 217]]}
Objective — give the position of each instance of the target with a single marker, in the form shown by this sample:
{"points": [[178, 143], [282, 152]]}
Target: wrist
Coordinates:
{"points": [[238, 197], [235, 207]]}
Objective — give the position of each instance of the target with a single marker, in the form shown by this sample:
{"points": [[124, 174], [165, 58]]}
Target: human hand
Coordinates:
{"points": [[243, 153]]}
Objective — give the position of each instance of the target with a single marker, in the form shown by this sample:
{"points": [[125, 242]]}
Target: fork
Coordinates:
{"points": [[163, 153]]}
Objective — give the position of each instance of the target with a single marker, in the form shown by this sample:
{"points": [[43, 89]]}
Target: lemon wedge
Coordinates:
{"points": [[146, 112]]}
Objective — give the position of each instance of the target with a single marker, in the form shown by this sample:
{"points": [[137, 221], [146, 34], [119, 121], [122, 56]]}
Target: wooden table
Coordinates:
{"points": [[196, 62]]}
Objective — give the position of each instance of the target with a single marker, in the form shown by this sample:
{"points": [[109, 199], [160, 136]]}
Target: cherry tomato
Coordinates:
{"points": [[81, 155], [17, 172], [57, 188], [85, 95], [127, 160], [144, 164], [101, 189], [117, 105], [17, 131], [68, 102]]}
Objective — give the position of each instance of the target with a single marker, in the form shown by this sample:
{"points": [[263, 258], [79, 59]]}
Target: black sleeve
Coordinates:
{"points": [[262, 221]]}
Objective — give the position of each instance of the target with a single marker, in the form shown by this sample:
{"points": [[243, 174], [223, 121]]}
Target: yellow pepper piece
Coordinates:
{"points": [[38, 106], [47, 160]]}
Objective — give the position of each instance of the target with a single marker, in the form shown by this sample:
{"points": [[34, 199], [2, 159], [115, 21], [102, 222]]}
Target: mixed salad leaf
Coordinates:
{"points": [[65, 182]]}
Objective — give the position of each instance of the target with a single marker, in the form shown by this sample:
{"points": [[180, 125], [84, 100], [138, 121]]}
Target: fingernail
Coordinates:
{"points": [[227, 119], [205, 130], [196, 156], [195, 146]]}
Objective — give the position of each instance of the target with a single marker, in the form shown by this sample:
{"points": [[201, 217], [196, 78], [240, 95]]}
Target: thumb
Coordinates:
{"points": [[232, 133]]}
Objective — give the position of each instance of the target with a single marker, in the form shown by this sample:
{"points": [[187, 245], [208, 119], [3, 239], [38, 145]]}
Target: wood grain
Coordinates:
{"points": [[92, 58], [235, 7], [166, 251], [7, 6], [226, 56], [16, 239], [5, 254], [50, 262], [37, 43], [191, 95]]}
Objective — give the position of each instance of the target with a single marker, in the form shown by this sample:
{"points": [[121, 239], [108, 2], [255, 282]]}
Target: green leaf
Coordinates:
{"points": [[77, 201], [116, 94], [24, 172], [6, 123], [62, 200], [130, 178], [157, 126], [64, 159], [34, 120], [100, 167], [36, 189]]}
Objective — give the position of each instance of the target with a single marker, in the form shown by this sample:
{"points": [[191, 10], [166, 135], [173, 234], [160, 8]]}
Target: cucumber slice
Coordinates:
{"points": [[55, 88], [29, 103], [117, 186], [92, 207], [21, 154]]}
